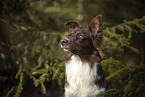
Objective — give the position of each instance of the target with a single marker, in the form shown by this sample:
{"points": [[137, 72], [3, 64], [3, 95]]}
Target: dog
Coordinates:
{"points": [[84, 75]]}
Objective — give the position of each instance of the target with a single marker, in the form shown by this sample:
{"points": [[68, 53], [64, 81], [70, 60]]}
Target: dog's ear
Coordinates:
{"points": [[95, 28], [72, 25]]}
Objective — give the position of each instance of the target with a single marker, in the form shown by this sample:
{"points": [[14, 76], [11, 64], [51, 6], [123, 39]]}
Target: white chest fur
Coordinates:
{"points": [[80, 78]]}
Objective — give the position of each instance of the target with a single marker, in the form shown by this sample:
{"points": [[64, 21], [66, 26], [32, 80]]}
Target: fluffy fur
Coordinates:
{"points": [[81, 78]]}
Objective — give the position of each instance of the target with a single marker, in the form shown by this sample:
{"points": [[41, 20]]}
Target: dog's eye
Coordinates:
{"points": [[80, 36]]}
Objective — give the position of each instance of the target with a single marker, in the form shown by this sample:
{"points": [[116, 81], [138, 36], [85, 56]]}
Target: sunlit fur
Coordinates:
{"points": [[81, 79]]}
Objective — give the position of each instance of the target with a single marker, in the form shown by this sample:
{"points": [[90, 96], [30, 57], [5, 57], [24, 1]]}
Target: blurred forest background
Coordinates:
{"points": [[32, 62]]}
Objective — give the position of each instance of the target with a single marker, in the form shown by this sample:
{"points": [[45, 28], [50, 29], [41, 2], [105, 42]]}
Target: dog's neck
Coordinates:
{"points": [[91, 59], [79, 67], [82, 77]]}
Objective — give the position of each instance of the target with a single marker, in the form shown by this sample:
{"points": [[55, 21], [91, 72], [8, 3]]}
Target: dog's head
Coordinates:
{"points": [[83, 41]]}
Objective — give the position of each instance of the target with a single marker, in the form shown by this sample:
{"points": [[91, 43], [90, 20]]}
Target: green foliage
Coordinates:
{"points": [[128, 81], [20, 85], [40, 57], [118, 37], [34, 49]]}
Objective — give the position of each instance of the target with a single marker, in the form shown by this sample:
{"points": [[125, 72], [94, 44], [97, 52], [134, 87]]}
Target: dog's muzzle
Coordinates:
{"points": [[63, 43]]}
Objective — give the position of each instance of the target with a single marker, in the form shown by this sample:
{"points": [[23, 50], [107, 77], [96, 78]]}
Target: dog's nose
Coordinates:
{"points": [[63, 41]]}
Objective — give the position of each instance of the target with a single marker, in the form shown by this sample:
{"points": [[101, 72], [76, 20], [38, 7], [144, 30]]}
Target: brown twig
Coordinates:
{"points": [[10, 92]]}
